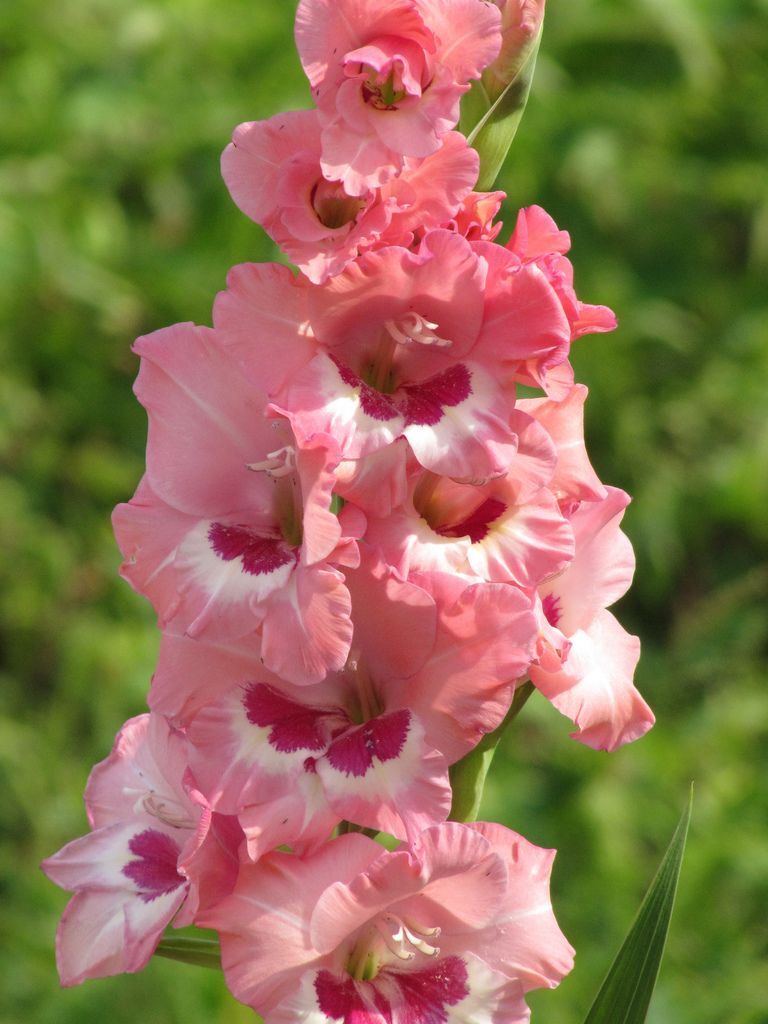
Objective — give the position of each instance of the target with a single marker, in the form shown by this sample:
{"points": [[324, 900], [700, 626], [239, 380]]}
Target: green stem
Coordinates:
{"points": [[189, 950], [469, 774]]}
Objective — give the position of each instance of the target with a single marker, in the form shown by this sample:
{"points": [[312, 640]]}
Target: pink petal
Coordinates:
{"points": [[307, 628], [484, 643], [202, 414], [457, 424], [264, 924], [326, 31], [453, 990], [564, 421], [594, 686], [106, 933], [385, 610], [378, 482], [525, 544], [383, 776], [261, 322], [351, 310], [143, 774], [527, 943], [430, 191], [470, 35], [602, 567], [536, 234], [191, 673], [450, 865], [327, 397], [253, 163]]}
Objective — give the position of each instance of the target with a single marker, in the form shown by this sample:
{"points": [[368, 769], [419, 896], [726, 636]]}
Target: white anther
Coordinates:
{"points": [[412, 327], [420, 944], [278, 463], [402, 940]]}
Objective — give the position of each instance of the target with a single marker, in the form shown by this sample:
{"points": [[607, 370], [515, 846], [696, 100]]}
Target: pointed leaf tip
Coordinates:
{"points": [[626, 993]]}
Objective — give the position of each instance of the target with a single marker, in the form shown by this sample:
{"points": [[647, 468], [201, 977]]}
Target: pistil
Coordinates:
{"points": [[170, 812]]}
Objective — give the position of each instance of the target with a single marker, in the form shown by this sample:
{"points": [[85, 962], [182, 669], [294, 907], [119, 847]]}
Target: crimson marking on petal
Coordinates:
{"points": [[372, 402], [551, 607], [294, 726], [342, 999], [154, 873], [423, 404], [383, 738], [477, 524], [427, 994], [260, 555]]}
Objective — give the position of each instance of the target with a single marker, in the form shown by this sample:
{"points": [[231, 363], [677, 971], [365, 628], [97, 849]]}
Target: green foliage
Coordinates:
{"points": [[626, 993], [645, 137], [491, 122]]}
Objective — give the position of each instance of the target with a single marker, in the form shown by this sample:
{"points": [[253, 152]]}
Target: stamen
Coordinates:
{"points": [[412, 327], [392, 932], [420, 943], [277, 464], [399, 935]]}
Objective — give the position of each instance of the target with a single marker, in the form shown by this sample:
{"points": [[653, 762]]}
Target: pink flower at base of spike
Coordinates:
{"points": [[457, 926], [360, 543]]}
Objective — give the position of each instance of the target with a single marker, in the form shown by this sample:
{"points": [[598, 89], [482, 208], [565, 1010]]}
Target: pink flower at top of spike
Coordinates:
{"points": [[456, 927], [371, 744], [272, 169], [520, 24], [387, 77], [231, 529], [156, 853], [586, 661]]}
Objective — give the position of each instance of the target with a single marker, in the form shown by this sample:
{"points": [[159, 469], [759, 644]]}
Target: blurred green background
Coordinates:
{"points": [[646, 137]]}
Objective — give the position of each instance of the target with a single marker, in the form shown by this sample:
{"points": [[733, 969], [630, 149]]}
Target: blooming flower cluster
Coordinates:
{"points": [[359, 541]]}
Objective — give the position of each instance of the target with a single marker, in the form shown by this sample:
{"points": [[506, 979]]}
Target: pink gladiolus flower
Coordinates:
{"points": [[272, 169], [156, 854], [371, 744], [387, 77], [508, 530], [402, 355], [586, 660], [458, 926], [231, 530]]}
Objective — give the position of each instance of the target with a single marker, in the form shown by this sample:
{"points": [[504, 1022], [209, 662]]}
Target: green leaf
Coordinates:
{"points": [[188, 950], [490, 127], [626, 992], [468, 775]]}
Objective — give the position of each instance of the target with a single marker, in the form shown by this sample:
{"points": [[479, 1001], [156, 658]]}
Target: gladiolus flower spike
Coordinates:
{"points": [[364, 552]]}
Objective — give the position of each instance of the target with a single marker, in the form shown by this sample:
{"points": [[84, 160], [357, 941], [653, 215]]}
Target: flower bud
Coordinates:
{"points": [[520, 26]]}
